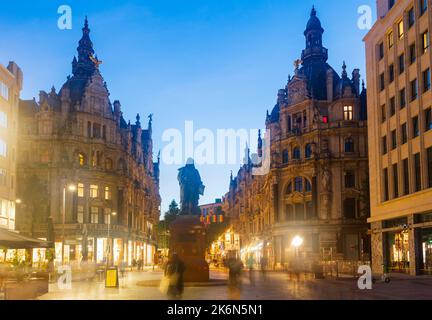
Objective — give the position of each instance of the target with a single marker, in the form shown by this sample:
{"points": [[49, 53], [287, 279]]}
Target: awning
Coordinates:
{"points": [[13, 240]]}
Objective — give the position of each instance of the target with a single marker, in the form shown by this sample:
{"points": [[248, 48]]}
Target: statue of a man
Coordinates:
{"points": [[191, 187]]}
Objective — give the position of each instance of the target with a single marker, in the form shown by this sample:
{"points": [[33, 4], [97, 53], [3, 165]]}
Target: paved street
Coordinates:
{"points": [[277, 286]]}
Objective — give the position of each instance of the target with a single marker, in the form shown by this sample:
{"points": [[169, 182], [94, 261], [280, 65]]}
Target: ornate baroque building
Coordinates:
{"points": [[85, 169], [317, 185]]}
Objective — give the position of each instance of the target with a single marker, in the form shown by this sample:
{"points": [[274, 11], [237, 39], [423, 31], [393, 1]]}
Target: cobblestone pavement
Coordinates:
{"points": [[276, 286]]}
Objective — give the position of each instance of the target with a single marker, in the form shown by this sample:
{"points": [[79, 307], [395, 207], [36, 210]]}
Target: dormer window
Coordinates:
{"points": [[348, 113]]}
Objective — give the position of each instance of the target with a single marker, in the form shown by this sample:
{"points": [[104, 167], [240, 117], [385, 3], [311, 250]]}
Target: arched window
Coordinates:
{"points": [[82, 159], [296, 153], [349, 145], [308, 186], [308, 151], [285, 157], [298, 184]]}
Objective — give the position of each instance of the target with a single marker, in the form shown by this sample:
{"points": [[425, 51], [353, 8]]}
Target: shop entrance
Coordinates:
{"points": [[398, 251], [427, 250]]}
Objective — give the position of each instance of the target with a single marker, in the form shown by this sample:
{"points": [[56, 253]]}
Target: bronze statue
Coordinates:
{"points": [[191, 187]]}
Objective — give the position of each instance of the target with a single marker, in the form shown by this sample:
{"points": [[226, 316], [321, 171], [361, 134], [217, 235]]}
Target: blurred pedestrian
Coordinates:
{"points": [[250, 263], [264, 263], [174, 271]]}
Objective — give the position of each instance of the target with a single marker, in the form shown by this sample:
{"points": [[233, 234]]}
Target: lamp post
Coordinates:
{"points": [[70, 188], [296, 242], [108, 241]]}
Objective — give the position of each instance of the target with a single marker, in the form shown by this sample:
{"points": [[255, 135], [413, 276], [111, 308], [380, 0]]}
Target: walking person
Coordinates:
{"points": [[174, 271], [264, 263], [250, 263]]}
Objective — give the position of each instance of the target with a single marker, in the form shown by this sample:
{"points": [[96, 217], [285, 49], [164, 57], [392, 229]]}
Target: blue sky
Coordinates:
{"points": [[218, 63]]}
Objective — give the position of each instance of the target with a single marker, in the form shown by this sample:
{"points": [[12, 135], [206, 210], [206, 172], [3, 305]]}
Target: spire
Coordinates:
{"points": [[138, 123], [313, 34], [344, 72], [84, 66], [260, 144]]}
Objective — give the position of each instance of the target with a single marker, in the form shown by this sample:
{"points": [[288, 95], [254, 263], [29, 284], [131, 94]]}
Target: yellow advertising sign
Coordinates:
{"points": [[111, 279]]}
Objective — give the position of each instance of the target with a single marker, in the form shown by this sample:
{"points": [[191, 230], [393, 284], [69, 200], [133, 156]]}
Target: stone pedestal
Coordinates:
{"points": [[188, 241]]}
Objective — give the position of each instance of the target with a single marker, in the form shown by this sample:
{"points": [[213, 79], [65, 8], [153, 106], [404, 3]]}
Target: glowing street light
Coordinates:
{"points": [[297, 241]]}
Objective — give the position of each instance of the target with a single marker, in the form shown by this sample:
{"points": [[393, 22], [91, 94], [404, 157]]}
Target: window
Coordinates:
{"points": [[414, 90], [415, 127], [413, 56], [400, 29], [386, 185], [426, 80], [428, 119], [402, 98], [82, 159], [80, 190], [391, 4], [94, 191], [285, 157], [108, 164], [97, 133], [3, 119], [108, 193], [406, 176], [383, 113], [411, 17], [350, 179], [308, 151], [425, 41], [423, 6], [89, 129], [289, 189], [429, 162], [296, 153], [382, 82], [401, 63], [384, 144], [3, 148], [391, 73], [94, 217], [417, 171], [107, 216], [298, 184], [394, 139], [4, 91], [390, 39], [95, 161], [349, 145], [348, 113], [404, 133], [350, 205], [395, 181], [392, 106], [80, 214], [3, 177], [308, 187], [289, 124], [381, 51]]}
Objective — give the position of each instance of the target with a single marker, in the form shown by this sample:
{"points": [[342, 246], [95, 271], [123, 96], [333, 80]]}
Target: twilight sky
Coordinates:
{"points": [[217, 63]]}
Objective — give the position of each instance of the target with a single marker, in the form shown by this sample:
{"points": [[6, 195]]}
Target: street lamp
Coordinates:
{"points": [[70, 188], [108, 241], [296, 242]]}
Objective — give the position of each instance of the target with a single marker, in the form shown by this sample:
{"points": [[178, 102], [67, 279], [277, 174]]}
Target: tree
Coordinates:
{"points": [[172, 213]]}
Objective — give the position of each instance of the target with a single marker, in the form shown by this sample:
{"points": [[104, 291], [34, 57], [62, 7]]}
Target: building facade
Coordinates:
{"points": [[86, 177], [11, 80], [400, 136], [316, 189]]}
